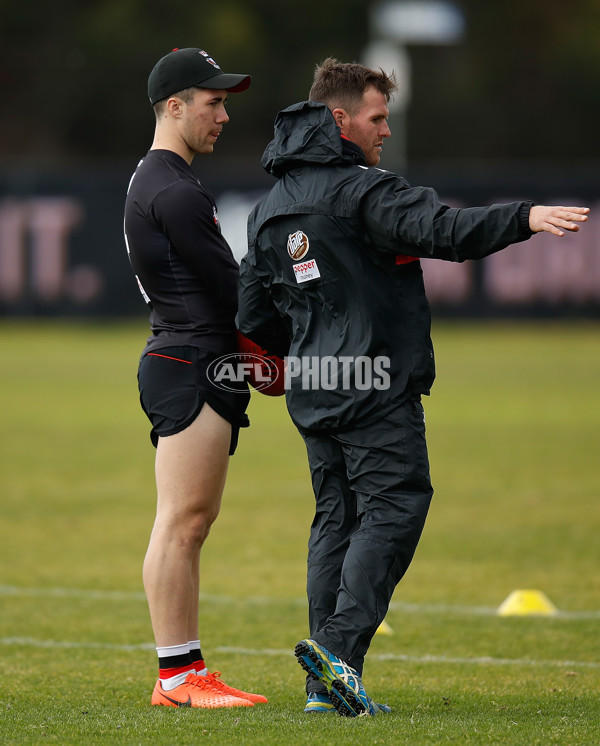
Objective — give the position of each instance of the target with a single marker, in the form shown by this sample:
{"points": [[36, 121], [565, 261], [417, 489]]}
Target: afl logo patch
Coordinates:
{"points": [[297, 245]]}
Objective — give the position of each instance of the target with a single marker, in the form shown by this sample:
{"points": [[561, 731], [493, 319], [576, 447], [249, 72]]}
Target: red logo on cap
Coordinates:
{"points": [[209, 59]]}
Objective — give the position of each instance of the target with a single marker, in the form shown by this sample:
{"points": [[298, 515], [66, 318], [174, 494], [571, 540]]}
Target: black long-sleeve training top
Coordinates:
{"points": [[183, 264]]}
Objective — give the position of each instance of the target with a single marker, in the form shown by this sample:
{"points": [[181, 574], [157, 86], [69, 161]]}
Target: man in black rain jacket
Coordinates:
{"points": [[332, 280]]}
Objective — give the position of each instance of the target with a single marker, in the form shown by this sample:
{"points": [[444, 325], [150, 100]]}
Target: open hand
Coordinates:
{"points": [[556, 220]]}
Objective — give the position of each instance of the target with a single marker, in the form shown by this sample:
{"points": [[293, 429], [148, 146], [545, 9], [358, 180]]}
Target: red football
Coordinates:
{"points": [[264, 372]]}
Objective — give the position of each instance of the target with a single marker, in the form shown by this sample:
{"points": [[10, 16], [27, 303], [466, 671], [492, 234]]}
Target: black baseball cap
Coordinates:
{"points": [[184, 68]]}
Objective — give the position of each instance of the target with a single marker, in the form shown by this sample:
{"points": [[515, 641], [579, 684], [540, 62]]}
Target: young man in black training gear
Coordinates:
{"points": [[188, 276]]}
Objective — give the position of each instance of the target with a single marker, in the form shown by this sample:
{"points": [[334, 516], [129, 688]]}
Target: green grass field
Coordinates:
{"points": [[513, 427]]}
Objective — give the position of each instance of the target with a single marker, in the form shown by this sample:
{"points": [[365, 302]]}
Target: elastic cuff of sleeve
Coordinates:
{"points": [[524, 217]]}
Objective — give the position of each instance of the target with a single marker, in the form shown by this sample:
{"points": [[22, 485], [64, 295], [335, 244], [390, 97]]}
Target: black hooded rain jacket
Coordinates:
{"points": [[332, 278]]}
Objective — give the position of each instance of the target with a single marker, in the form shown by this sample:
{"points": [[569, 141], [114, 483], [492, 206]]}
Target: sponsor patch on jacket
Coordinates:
{"points": [[297, 245], [306, 271]]}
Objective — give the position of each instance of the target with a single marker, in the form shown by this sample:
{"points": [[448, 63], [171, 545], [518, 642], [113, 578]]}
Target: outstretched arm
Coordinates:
{"points": [[556, 220]]}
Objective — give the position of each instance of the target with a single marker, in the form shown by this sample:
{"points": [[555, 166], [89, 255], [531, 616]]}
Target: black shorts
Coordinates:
{"points": [[174, 387]]}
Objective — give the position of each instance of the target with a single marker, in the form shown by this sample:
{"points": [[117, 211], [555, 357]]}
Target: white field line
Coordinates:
{"points": [[408, 608], [119, 596], [280, 653]]}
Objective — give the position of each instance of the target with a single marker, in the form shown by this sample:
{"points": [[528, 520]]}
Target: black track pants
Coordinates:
{"points": [[372, 492]]}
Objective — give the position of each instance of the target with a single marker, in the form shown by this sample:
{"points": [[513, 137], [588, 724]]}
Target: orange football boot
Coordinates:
{"points": [[219, 685], [196, 691]]}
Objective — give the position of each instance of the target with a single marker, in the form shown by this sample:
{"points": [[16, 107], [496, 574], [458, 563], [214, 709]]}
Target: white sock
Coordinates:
{"points": [[195, 645], [174, 652]]}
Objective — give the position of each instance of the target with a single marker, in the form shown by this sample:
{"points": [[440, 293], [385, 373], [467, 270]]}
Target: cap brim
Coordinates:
{"points": [[227, 82]]}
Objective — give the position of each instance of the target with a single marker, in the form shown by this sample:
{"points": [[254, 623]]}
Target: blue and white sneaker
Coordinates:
{"points": [[319, 703], [343, 682]]}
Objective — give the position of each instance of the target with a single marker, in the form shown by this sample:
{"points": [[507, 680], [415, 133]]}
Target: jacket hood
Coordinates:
{"points": [[304, 133]]}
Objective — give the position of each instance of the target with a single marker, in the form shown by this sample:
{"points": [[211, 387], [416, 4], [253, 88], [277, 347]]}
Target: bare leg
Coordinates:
{"points": [[191, 467]]}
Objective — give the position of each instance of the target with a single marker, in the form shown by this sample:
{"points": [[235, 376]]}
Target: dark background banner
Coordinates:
{"points": [[62, 250]]}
